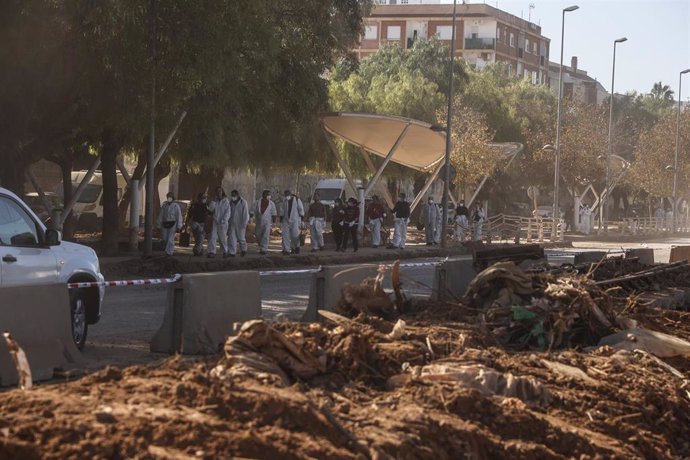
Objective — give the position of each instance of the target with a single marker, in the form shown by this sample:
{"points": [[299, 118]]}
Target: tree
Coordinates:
{"points": [[662, 92], [471, 155], [655, 151]]}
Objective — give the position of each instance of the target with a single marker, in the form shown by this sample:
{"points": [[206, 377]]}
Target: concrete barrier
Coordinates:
{"points": [[202, 309], [39, 319], [644, 255], [326, 286], [679, 253], [451, 279], [591, 257]]}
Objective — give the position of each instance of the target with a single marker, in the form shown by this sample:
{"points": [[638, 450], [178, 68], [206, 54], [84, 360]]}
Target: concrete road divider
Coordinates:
{"points": [[679, 253], [451, 279], [644, 255], [39, 319], [326, 286], [202, 308], [589, 257]]}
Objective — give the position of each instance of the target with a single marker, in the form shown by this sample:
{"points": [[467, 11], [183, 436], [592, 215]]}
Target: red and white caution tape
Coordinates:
{"points": [[120, 283]]}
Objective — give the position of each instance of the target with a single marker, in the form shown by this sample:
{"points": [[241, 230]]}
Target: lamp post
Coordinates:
{"points": [[557, 171], [446, 175], [675, 161], [603, 214]]}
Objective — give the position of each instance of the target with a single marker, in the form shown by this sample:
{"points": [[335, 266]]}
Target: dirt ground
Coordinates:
{"points": [[431, 380]]}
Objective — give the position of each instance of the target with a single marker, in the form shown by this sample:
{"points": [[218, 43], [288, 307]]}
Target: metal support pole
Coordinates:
{"points": [[341, 162], [446, 179], [557, 169], [163, 148], [41, 195], [80, 188], [150, 160], [426, 187], [382, 187], [675, 161], [135, 202], [387, 160], [603, 214], [360, 226]]}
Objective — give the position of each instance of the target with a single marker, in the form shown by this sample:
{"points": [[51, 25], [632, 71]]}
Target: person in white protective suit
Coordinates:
{"points": [[170, 222], [375, 212], [291, 215], [401, 214], [220, 207], [478, 217], [317, 222], [264, 214], [237, 227], [429, 218]]}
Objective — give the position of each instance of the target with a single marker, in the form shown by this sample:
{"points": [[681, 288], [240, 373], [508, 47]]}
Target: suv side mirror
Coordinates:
{"points": [[52, 237]]}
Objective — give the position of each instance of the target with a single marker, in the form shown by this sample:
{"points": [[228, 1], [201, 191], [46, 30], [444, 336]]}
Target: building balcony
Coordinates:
{"points": [[480, 43]]}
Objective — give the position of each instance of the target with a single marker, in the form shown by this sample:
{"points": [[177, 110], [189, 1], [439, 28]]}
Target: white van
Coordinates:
{"points": [[89, 207], [330, 189]]}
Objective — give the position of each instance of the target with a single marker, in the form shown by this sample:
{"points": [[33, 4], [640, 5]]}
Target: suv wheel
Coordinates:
{"points": [[78, 317]]}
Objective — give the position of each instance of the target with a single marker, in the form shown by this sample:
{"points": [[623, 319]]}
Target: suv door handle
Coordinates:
{"points": [[9, 258]]}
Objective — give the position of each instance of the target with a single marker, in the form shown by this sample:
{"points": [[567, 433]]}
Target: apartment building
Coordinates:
{"points": [[577, 85], [483, 34]]}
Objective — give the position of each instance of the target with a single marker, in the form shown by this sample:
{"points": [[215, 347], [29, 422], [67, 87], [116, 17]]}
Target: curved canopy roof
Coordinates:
{"points": [[421, 147]]}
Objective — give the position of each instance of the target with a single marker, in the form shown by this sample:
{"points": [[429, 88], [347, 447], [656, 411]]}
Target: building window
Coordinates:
{"points": [[371, 32], [534, 47], [512, 40], [404, 2], [393, 33], [527, 47], [444, 32]]}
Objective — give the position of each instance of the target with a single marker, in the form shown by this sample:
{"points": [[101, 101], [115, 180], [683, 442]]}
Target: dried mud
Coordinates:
{"points": [[432, 383]]}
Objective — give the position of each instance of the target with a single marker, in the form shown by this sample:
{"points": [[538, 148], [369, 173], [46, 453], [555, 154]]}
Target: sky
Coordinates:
{"points": [[658, 33]]}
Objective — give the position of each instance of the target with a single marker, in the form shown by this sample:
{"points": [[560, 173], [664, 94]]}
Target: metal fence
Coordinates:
{"points": [[519, 228], [653, 225]]}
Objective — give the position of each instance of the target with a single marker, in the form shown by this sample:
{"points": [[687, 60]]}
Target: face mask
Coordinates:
{"points": [[170, 199], [268, 197], [288, 197], [431, 201], [235, 198]]}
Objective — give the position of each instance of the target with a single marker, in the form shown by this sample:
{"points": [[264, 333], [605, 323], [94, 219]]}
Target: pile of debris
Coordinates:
{"points": [[509, 372]]}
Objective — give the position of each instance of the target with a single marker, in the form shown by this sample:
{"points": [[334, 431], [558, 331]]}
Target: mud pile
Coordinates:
{"points": [[433, 381]]}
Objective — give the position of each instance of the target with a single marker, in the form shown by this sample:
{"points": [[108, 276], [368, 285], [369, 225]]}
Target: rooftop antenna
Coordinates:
{"points": [[531, 7]]}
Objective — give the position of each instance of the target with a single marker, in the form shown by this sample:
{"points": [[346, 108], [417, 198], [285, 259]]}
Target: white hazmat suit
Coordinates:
{"points": [[239, 218], [291, 214], [221, 215], [264, 220]]}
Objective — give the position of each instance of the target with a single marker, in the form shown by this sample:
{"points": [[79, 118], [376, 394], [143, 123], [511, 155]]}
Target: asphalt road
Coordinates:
{"points": [[132, 315]]}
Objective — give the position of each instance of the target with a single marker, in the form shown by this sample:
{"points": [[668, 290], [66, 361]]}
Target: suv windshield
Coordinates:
{"points": [[328, 194], [90, 194]]}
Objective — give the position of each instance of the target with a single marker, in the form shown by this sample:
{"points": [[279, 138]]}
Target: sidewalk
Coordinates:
{"points": [[134, 266]]}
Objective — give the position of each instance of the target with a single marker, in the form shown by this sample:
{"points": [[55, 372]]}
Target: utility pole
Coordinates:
{"points": [[446, 178], [148, 230]]}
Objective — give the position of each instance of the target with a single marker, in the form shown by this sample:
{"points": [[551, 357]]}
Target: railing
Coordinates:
{"points": [[530, 229], [480, 43], [653, 225]]}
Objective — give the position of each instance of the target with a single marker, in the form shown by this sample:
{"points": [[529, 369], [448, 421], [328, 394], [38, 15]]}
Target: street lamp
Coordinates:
{"points": [[675, 161], [446, 176], [603, 214], [557, 172]]}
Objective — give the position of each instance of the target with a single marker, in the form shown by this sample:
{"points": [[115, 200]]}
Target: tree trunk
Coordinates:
{"points": [[111, 148], [12, 175], [69, 224], [127, 196]]}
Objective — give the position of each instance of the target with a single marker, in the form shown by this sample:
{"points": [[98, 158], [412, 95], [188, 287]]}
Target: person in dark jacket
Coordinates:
{"points": [[337, 223], [350, 224], [401, 212], [196, 220]]}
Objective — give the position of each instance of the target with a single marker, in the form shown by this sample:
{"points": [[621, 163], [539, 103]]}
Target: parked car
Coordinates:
{"points": [[36, 204], [31, 254]]}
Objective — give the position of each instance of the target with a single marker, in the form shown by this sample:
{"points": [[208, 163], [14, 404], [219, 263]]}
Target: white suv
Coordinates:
{"points": [[31, 254]]}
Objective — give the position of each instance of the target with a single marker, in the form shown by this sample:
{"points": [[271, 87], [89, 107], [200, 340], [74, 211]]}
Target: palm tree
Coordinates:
{"points": [[662, 92]]}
